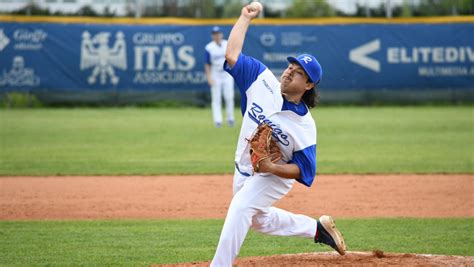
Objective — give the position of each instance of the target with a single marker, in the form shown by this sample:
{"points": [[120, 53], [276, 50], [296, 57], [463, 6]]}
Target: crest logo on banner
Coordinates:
{"points": [[267, 39], [96, 54], [3, 40], [18, 75]]}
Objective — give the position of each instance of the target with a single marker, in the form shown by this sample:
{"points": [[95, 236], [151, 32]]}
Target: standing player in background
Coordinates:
{"points": [[221, 82], [285, 107]]}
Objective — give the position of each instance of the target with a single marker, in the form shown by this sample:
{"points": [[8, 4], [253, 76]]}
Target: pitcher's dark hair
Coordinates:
{"points": [[311, 97]]}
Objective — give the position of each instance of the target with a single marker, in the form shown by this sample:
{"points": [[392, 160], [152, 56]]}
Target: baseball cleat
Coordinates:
{"points": [[327, 233]]}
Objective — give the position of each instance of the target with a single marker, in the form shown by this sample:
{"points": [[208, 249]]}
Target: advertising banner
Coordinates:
{"points": [[60, 56]]}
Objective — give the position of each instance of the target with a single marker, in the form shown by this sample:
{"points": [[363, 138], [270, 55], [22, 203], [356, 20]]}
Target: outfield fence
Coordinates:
{"points": [[128, 61]]}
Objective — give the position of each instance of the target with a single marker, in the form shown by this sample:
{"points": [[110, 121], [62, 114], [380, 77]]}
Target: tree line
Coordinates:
{"points": [[295, 9]]}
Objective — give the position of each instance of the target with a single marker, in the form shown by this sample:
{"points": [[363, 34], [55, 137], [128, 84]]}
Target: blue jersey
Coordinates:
{"points": [[294, 129]]}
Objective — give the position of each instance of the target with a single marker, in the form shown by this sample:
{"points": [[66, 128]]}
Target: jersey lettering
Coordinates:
{"points": [[255, 113]]}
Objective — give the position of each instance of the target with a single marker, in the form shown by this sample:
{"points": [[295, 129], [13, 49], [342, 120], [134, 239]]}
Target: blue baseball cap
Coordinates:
{"points": [[310, 65], [216, 29]]}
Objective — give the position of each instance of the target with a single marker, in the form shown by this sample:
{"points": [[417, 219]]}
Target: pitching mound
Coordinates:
{"points": [[375, 258]]}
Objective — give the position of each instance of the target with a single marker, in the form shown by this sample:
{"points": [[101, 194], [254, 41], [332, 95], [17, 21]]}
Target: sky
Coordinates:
{"points": [[349, 6]]}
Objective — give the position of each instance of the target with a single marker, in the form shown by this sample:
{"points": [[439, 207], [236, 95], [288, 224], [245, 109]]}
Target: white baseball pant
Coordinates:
{"points": [[251, 206], [223, 86]]}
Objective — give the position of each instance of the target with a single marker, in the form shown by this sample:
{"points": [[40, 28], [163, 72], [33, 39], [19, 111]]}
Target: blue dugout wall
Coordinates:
{"points": [[93, 57]]}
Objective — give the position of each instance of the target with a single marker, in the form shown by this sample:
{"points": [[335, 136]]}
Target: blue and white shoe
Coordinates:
{"points": [[327, 233]]}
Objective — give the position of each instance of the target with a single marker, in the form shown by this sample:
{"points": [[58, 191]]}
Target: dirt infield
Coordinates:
{"points": [[358, 259], [27, 198]]}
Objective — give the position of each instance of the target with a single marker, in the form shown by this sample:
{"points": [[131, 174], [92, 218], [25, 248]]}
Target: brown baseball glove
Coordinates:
{"points": [[262, 146]]}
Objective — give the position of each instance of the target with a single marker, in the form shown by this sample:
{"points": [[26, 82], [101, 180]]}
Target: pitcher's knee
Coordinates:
{"points": [[260, 221], [242, 208]]}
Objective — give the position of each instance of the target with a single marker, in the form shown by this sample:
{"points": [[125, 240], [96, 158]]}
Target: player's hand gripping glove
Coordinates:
{"points": [[262, 146]]}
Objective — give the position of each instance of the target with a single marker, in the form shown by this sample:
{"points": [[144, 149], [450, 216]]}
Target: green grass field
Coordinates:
{"points": [[141, 243], [137, 141], [183, 141]]}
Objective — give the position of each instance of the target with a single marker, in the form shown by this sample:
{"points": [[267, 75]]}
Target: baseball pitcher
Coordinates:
{"points": [[276, 148]]}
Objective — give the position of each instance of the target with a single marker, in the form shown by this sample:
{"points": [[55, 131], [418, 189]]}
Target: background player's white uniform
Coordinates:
{"points": [[223, 82], [254, 194]]}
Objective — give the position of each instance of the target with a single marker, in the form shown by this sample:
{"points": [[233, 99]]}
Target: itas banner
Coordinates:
{"points": [[62, 57], [98, 57]]}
